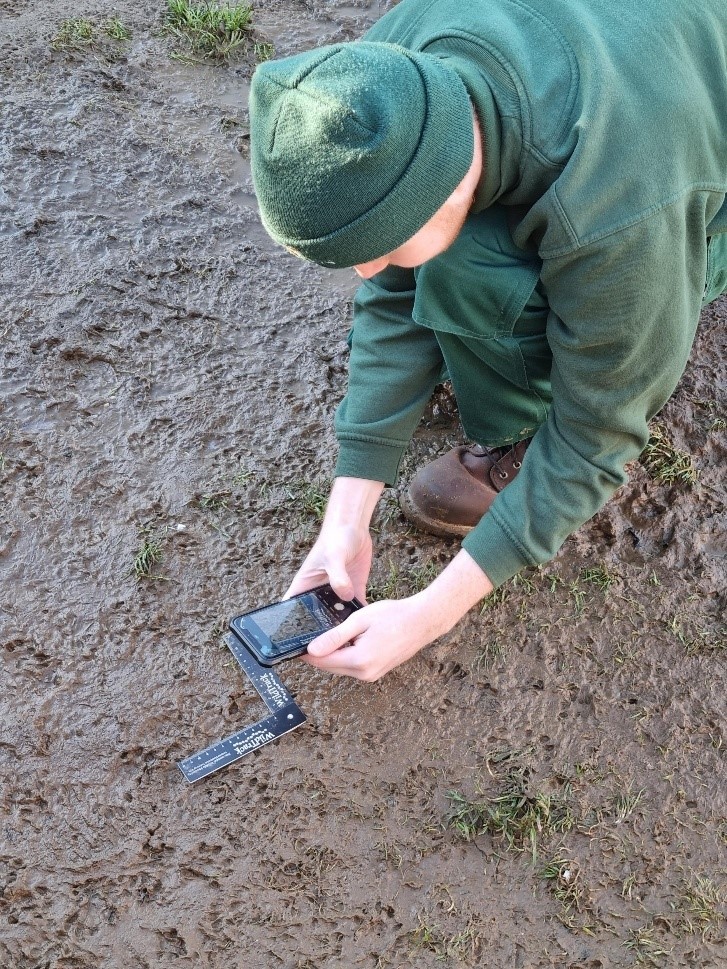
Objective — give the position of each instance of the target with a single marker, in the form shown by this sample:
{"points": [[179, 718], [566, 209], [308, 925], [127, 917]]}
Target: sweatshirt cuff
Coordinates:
{"points": [[496, 550], [368, 459]]}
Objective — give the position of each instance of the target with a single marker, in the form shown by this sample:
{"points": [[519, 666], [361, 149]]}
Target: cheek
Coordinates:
{"points": [[418, 251]]}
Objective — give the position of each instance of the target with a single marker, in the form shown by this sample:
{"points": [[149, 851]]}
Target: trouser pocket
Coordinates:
{"points": [[483, 300]]}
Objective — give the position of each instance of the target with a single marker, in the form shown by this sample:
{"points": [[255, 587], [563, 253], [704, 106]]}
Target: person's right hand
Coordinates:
{"points": [[343, 550], [340, 556]]}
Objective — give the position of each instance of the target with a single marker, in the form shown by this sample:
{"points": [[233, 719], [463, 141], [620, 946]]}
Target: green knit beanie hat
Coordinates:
{"points": [[355, 146]]}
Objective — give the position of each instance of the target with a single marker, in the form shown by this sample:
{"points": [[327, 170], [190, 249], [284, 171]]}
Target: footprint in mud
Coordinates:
{"points": [[172, 944], [29, 657], [581, 703], [648, 529], [448, 671]]}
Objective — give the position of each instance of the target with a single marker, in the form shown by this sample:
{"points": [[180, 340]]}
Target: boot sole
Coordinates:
{"points": [[434, 526]]}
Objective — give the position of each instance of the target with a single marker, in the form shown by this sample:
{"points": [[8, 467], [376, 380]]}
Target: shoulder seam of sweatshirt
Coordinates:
{"points": [[625, 224]]}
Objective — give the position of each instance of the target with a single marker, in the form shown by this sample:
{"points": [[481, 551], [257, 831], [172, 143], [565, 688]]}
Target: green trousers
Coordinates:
{"points": [[716, 283], [483, 300]]}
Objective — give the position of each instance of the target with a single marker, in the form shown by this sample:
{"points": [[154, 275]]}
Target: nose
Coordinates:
{"points": [[368, 269]]}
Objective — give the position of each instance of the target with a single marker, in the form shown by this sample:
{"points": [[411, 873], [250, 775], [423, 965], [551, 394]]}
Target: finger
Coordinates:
{"points": [[353, 661], [305, 581], [335, 638]]}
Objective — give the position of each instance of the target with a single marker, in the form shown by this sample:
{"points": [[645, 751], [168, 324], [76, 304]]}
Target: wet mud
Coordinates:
{"points": [[168, 382]]}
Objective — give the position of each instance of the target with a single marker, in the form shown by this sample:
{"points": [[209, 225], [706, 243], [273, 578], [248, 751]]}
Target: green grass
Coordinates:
{"points": [[518, 583], [74, 34], [311, 498], [210, 30], [488, 655], [701, 903], [521, 819], [578, 595], [242, 477], [149, 555], [495, 599], [701, 640], [599, 576], [80, 33], [398, 582], [624, 804], [114, 29], [215, 500], [263, 51], [666, 463]]}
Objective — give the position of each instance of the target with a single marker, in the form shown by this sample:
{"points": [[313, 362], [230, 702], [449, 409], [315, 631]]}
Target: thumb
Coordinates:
{"points": [[340, 581], [335, 638]]}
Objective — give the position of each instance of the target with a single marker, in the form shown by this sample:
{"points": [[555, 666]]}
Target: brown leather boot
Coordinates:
{"points": [[450, 495]]}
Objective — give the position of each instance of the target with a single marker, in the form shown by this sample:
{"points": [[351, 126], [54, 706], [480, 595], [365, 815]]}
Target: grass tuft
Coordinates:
{"points": [[263, 51], [114, 29], [599, 576], [701, 640], [495, 599], [645, 945], [215, 500], [80, 33], [149, 555], [564, 879], [624, 804], [488, 655], [579, 596], [701, 902], [212, 30], [666, 463], [310, 497], [74, 34], [242, 476], [522, 819], [460, 946]]}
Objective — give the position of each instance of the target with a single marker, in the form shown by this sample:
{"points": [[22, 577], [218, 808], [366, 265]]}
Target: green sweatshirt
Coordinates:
{"points": [[605, 132]]}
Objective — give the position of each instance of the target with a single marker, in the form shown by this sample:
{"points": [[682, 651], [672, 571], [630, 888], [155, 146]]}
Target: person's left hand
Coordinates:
{"points": [[382, 635]]}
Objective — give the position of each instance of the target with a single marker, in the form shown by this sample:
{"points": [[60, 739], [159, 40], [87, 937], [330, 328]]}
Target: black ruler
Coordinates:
{"points": [[285, 715]]}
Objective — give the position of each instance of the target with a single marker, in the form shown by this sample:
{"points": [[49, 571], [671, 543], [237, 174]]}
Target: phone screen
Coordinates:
{"points": [[287, 623], [284, 629]]}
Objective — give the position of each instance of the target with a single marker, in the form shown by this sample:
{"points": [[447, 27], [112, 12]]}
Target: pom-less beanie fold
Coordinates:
{"points": [[355, 146]]}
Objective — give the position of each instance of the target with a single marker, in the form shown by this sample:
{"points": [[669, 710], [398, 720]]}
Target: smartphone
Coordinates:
{"points": [[284, 629]]}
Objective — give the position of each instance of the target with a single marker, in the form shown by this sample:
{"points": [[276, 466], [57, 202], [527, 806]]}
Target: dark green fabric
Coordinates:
{"points": [[606, 140], [482, 319], [480, 299], [354, 147], [716, 268]]}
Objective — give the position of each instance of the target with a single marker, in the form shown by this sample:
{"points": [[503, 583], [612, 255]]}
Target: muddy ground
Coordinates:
{"points": [[169, 376]]}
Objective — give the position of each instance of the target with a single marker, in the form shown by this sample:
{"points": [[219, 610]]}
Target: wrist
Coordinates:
{"points": [[352, 503], [454, 592]]}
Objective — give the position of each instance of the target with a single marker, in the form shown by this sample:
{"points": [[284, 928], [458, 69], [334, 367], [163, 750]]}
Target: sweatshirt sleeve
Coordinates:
{"points": [[395, 365], [624, 311]]}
